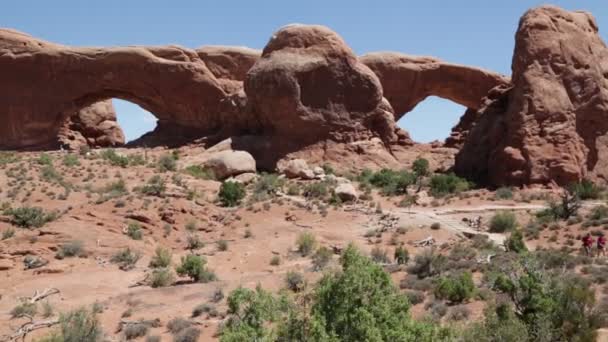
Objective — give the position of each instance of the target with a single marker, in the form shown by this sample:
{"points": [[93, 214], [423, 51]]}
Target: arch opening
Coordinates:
{"points": [[432, 119], [134, 121]]}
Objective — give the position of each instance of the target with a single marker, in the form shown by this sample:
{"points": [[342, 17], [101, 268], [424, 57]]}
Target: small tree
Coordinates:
{"points": [[421, 170], [515, 242], [503, 221], [194, 266]]}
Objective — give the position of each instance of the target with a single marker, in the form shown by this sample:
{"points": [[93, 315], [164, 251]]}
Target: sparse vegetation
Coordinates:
{"points": [[503, 221], [134, 231], [161, 258], [444, 184], [455, 288], [70, 249], [126, 259], [200, 172], [155, 186], [321, 258], [30, 217], [195, 268]]}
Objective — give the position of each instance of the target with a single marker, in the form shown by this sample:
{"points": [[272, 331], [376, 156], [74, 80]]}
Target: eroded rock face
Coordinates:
{"points": [[408, 80], [309, 85], [93, 126], [229, 64], [552, 125]]}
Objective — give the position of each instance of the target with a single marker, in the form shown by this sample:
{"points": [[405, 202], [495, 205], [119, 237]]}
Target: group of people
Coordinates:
{"points": [[588, 244]]}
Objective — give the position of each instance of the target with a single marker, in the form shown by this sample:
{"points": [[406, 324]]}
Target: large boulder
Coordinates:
{"points": [[296, 168], [93, 126], [225, 164], [552, 125], [408, 80], [309, 86], [346, 192]]}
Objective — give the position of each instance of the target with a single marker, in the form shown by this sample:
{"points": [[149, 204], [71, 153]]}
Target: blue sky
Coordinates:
{"points": [[475, 32]]}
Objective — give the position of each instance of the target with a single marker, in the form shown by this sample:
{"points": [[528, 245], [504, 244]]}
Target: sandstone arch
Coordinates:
{"points": [[42, 83], [408, 80]]}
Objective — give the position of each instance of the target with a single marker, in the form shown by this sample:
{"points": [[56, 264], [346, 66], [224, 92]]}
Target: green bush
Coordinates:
{"points": [[80, 325], [455, 288], [135, 330], [115, 159], [267, 185], [316, 190], [222, 245], [25, 309], [428, 263], [231, 193], [45, 159], [503, 221], [390, 182], [30, 217], [306, 243], [444, 184], [598, 212], [515, 242], [195, 268], [402, 256]]}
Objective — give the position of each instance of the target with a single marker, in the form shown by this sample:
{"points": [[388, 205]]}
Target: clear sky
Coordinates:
{"points": [[475, 32]]}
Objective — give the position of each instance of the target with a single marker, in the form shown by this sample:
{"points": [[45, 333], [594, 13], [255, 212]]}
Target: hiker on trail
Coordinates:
{"points": [[401, 255], [601, 245], [587, 243]]}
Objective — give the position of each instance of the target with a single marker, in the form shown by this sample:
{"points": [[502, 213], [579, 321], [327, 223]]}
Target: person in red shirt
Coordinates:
{"points": [[587, 243], [601, 245]]}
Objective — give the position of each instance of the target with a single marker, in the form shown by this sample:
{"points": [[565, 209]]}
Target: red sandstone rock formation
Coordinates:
{"points": [[93, 126], [552, 125], [309, 86], [408, 80]]}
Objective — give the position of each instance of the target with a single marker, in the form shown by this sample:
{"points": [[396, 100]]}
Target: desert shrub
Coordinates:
{"points": [[195, 268], [428, 263], [436, 308], [200, 172], [161, 277], [267, 185], [444, 184], [515, 242], [70, 249], [455, 288], [167, 162], [436, 226], [390, 182], [499, 324], [126, 259], [8, 157], [380, 255], [71, 160], [415, 297], [49, 174], [80, 325], [178, 324], [504, 193], [193, 242], [153, 338], [586, 189], [295, 281], [24, 309], [155, 186], [503, 221], [306, 243], [459, 313], [218, 295], [231, 193], [114, 158], [202, 308], [275, 260], [161, 258], [321, 258], [316, 190], [135, 330], [44, 159], [134, 231], [222, 245], [30, 217], [187, 335]]}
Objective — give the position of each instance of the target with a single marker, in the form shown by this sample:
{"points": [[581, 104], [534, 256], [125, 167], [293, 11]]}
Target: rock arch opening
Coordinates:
{"points": [[432, 119], [134, 120]]}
